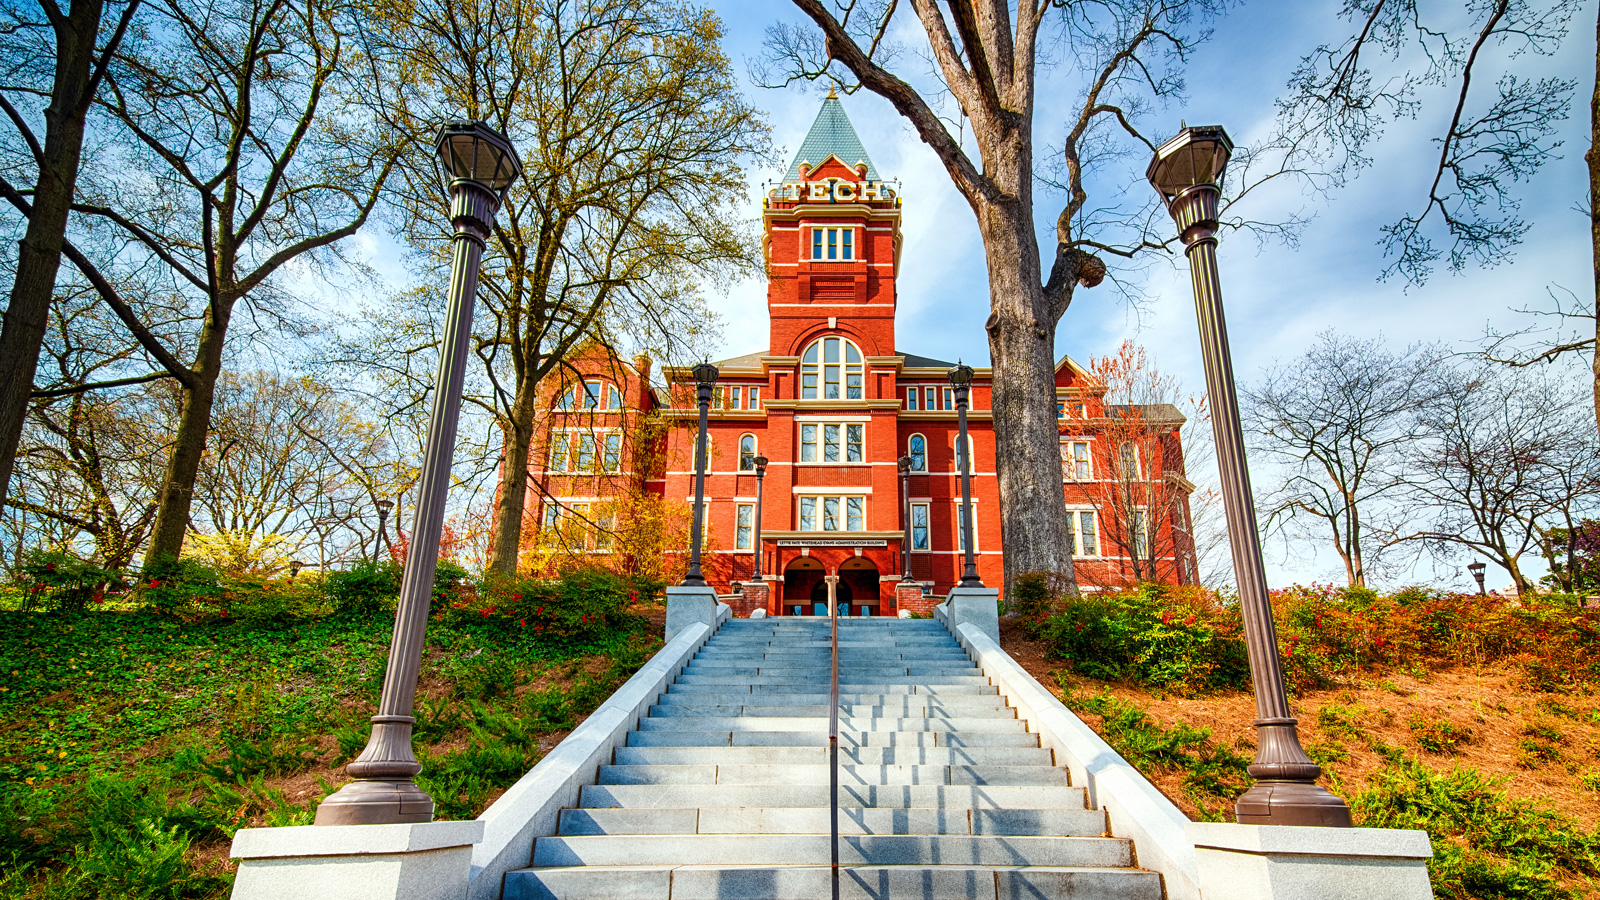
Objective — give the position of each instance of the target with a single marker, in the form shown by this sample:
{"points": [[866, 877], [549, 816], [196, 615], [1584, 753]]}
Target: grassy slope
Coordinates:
{"points": [[134, 746], [1365, 733]]}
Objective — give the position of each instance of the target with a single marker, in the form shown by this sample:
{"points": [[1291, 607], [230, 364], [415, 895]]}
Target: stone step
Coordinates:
{"points": [[730, 668], [927, 690], [818, 755], [802, 820], [780, 723], [877, 796], [811, 882], [862, 683], [903, 701], [773, 774], [804, 849], [847, 710], [819, 738]]}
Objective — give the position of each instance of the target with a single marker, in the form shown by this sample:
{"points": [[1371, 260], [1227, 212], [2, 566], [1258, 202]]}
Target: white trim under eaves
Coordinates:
{"points": [[830, 490]]}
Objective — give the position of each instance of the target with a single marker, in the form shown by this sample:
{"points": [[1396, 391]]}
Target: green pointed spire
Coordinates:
{"points": [[831, 134]]}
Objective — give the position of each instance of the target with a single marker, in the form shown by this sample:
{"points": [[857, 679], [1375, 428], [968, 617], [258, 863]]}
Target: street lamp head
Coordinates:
{"points": [[1476, 569], [383, 506], [295, 566], [472, 151], [1196, 155], [760, 462], [705, 375], [904, 463], [960, 375]]}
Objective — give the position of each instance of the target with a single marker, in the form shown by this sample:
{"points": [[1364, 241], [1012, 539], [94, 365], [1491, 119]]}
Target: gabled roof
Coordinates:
{"points": [[923, 362], [1072, 365], [747, 361], [831, 135]]}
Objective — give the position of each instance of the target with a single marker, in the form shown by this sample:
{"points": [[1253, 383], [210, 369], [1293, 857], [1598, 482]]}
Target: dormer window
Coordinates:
{"points": [[830, 369], [833, 244]]}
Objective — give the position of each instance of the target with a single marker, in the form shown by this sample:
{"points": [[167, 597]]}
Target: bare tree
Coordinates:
{"points": [[1127, 56], [250, 147], [1341, 419], [35, 39], [1502, 456]]}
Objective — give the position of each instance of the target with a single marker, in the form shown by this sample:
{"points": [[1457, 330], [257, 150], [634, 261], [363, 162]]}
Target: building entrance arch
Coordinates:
{"points": [[801, 577], [858, 586]]}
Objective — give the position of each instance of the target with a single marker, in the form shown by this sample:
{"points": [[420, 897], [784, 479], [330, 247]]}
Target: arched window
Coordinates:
{"points": [[918, 447], [830, 369], [747, 453]]}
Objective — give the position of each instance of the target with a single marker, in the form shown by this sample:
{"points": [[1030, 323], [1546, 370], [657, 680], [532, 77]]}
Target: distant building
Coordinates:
{"points": [[832, 403]]}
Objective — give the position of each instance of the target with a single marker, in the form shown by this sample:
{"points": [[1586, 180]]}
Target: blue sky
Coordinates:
{"points": [[1277, 298]]}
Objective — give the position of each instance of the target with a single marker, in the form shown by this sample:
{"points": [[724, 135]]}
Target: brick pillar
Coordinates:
{"points": [[908, 595], [752, 596]]}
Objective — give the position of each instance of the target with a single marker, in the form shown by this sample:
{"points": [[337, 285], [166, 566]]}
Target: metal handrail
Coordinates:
{"points": [[833, 737]]}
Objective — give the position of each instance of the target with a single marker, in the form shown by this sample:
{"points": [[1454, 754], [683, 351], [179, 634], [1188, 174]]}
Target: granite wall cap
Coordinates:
{"points": [[1301, 840], [353, 840]]}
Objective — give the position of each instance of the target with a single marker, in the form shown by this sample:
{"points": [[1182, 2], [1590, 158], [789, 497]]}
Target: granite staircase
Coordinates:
{"points": [[722, 791]]}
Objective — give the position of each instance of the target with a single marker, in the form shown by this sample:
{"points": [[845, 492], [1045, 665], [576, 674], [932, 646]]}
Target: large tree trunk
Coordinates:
{"points": [[1033, 503], [189, 445], [39, 251], [1593, 158], [513, 501]]}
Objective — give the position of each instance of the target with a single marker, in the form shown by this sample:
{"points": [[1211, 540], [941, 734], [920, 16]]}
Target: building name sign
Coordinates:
{"points": [[832, 542], [833, 190]]}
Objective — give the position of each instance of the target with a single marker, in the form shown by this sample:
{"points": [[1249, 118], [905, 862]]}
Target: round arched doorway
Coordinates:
{"points": [[858, 586], [801, 577]]}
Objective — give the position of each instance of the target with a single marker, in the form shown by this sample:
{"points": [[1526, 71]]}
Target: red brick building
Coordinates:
{"points": [[832, 402]]}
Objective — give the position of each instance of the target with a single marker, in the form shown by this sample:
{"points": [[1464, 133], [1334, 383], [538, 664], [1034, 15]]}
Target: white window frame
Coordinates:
{"points": [[919, 461], [1073, 467], [961, 535], [744, 516], [1075, 518], [753, 396], [834, 243], [1138, 463], [1139, 533], [842, 438], [843, 504], [815, 365], [755, 451], [926, 509], [912, 394], [955, 453], [604, 446]]}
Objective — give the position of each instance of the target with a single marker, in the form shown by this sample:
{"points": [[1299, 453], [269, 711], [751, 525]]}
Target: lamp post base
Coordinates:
{"points": [[1291, 803], [397, 802]]}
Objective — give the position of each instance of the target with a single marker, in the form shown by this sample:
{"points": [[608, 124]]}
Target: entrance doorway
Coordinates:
{"points": [[858, 581], [819, 598], [800, 579]]}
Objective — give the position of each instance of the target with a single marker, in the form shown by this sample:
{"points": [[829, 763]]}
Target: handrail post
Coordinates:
{"points": [[833, 731]]}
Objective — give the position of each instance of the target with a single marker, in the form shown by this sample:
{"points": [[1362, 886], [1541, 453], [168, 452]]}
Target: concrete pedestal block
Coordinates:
{"points": [[424, 861], [1279, 862], [690, 606], [979, 607]]}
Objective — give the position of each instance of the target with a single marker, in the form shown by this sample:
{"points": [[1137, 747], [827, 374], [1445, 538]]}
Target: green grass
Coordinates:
{"points": [[135, 745]]}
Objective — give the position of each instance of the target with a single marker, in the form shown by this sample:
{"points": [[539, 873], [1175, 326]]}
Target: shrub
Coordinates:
{"points": [[576, 608], [184, 588], [53, 580], [363, 589], [1437, 735]]}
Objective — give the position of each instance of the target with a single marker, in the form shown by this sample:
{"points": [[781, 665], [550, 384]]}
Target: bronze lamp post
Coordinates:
{"points": [[478, 166], [705, 378], [761, 475], [1186, 171], [1476, 568], [960, 377], [384, 506], [904, 464]]}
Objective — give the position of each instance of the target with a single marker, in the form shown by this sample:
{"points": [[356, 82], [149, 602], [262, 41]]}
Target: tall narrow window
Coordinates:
{"points": [[1075, 460], [736, 400], [949, 399], [558, 452], [755, 398], [816, 243], [918, 445], [613, 397], [855, 513], [808, 443], [603, 536], [961, 528], [591, 394], [830, 443], [932, 404], [830, 513], [1086, 540], [919, 526], [808, 514], [747, 453], [613, 454], [552, 515], [1130, 461], [847, 236], [853, 442], [1139, 533], [833, 243], [831, 369], [911, 398], [744, 536], [585, 461]]}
